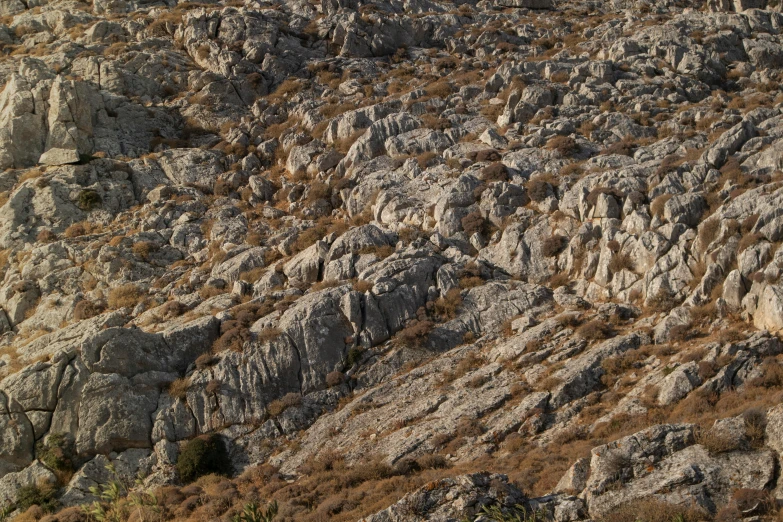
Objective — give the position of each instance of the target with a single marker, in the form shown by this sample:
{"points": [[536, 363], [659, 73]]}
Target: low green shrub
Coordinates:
{"points": [[201, 456]]}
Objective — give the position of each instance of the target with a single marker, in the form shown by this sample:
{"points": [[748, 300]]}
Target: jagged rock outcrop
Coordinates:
{"points": [[367, 244]]}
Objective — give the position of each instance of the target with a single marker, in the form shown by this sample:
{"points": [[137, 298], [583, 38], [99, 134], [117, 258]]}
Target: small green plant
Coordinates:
{"points": [[56, 452], [201, 456], [116, 499], [253, 513], [89, 200], [353, 357], [41, 495]]}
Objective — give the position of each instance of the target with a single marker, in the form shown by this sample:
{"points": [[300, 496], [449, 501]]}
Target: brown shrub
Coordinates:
{"points": [[233, 339], [485, 155], [494, 172], [363, 286], [706, 370], [212, 387], [46, 236], [658, 204], [560, 76], [758, 500], [430, 461], [425, 159], [652, 510], [328, 460], [681, 332], [466, 282], [335, 379], [669, 164], [621, 261], [179, 388], [623, 147], [559, 279], [595, 330], [416, 333], [441, 89], [663, 301], [771, 375], [708, 231], [123, 296], [473, 223], [748, 223], [553, 245], [381, 252], [207, 292], [566, 146], [748, 241], [267, 335], [86, 309], [143, 249], [614, 366], [434, 122], [538, 189], [322, 285], [289, 400], [703, 313], [252, 275], [470, 276], [171, 309], [716, 443], [478, 381], [205, 360], [344, 144], [78, 229], [469, 428], [446, 307], [755, 426]]}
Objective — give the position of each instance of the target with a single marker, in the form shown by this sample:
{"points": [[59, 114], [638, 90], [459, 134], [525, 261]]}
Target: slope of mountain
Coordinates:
{"points": [[391, 260]]}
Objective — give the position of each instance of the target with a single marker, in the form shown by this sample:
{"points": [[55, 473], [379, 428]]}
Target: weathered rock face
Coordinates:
{"points": [[769, 312], [408, 241], [437, 502], [105, 395], [53, 121]]}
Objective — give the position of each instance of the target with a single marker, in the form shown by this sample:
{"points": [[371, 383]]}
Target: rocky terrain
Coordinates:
{"points": [[391, 261]]}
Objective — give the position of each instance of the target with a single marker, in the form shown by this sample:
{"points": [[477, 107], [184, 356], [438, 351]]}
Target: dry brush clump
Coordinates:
{"points": [[565, 146], [653, 509], [179, 388], [278, 406], [127, 295], [446, 307], [553, 245], [415, 334], [595, 330]]}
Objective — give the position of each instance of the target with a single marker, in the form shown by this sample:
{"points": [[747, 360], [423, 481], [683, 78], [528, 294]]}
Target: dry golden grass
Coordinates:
{"points": [[179, 388], [362, 286], [128, 295], [78, 229], [658, 204]]}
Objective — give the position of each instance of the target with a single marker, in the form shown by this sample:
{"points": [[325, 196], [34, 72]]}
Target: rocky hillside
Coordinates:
{"points": [[391, 261]]}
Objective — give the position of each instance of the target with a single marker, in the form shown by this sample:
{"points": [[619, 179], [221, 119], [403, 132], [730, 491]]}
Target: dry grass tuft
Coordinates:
{"points": [[179, 388], [125, 296], [595, 330]]}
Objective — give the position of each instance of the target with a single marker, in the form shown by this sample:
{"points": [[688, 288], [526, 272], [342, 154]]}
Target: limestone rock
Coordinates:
{"points": [[57, 156]]}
